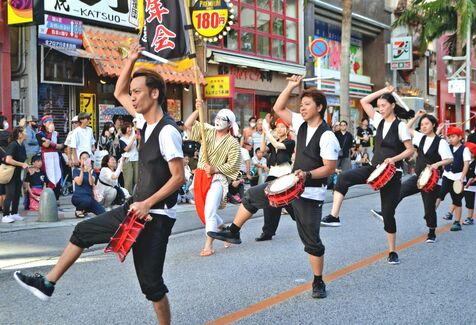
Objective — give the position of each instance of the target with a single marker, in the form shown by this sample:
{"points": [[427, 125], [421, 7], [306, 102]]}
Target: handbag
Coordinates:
{"points": [[120, 196], [6, 173]]}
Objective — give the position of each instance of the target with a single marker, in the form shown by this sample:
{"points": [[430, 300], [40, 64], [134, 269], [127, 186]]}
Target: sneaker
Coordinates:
{"points": [[448, 216], [7, 219], [226, 235], [16, 217], [431, 238], [468, 221], [456, 226], [393, 258], [35, 284], [377, 214], [319, 290], [330, 221]]}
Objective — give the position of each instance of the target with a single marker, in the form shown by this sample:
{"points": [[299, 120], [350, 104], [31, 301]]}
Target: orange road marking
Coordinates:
{"points": [[296, 291]]}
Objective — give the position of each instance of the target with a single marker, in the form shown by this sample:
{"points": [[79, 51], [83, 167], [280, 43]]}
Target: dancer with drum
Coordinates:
{"points": [[454, 175], [433, 153], [280, 151], [470, 186], [161, 174], [392, 145], [316, 158], [212, 178]]}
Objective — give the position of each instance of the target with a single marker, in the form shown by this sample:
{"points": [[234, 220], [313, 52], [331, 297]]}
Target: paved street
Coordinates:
{"points": [[257, 283]]}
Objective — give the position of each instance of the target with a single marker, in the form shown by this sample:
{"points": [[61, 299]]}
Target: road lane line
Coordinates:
{"points": [[296, 291]]}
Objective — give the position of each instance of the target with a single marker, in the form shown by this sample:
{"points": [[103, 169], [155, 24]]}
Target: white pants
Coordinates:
{"points": [[212, 203]]}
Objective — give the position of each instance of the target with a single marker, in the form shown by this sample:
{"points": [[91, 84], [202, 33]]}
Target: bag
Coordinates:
{"points": [[6, 173], [120, 196], [340, 154]]}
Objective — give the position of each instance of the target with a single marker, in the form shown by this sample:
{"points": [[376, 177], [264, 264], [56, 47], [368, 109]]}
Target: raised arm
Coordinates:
{"points": [[122, 85], [411, 121], [188, 124], [280, 105], [367, 100]]}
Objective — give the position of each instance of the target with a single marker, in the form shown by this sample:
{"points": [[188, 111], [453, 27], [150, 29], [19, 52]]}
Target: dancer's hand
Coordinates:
{"points": [[134, 52], [300, 174], [389, 161], [294, 81], [142, 210], [210, 170], [389, 88], [198, 104]]}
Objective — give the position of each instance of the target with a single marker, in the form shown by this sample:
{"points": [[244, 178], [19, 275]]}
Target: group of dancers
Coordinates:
{"points": [[316, 150]]}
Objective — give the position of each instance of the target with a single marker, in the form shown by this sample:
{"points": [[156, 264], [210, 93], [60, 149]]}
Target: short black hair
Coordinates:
{"points": [[252, 118], [344, 121], [318, 97]]}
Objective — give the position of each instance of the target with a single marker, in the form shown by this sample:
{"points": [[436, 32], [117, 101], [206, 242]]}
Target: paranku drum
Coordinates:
{"points": [[125, 236], [457, 187], [283, 190], [428, 179], [381, 176]]}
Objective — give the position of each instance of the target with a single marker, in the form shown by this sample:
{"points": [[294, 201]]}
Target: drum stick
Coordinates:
{"points": [[157, 58], [317, 78]]}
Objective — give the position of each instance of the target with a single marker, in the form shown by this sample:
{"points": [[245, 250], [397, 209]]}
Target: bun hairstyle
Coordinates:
{"points": [[431, 118], [399, 111]]}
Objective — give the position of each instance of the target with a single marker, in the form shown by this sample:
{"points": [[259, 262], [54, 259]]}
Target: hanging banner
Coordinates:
{"points": [[61, 32], [212, 19], [24, 12], [163, 33]]}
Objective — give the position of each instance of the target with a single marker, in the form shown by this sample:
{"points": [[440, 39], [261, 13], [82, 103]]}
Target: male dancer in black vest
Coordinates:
{"points": [[392, 145], [161, 174], [316, 158]]}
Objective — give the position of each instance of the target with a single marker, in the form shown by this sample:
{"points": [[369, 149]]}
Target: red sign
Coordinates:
{"points": [[319, 48]]}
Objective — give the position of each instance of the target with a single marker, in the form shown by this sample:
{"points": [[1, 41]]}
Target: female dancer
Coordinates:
{"points": [[280, 151], [392, 145]]}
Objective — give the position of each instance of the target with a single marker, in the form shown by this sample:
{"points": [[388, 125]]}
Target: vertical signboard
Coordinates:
{"points": [[87, 103], [402, 58]]}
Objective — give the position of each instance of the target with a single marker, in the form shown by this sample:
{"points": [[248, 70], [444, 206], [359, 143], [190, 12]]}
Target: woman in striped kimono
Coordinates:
{"points": [[212, 178]]}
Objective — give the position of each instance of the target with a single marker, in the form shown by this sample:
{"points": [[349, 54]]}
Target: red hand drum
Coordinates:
{"points": [[283, 190], [125, 236], [381, 175], [428, 179]]}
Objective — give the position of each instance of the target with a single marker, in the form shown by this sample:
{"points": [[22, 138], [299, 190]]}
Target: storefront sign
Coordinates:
{"points": [[61, 32], [456, 86], [402, 58], [23, 11], [123, 13], [246, 73], [212, 19], [87, 103], [219, 87]]}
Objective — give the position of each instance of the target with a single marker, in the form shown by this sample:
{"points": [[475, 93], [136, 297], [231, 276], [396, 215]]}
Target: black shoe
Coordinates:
{"points": [[393, 258], [319, 290], [431, 238], [263, 237], [226, 235], [377, 214], [330, 221], [35, 284]]}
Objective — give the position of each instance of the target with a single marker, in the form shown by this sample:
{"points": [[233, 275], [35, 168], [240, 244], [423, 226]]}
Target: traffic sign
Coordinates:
{"points": [[319, 48]]}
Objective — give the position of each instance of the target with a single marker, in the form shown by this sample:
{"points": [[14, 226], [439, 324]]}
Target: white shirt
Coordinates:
{"points": [[132, 154], [466, 157], [82, 140], [403, 130], [329, 151], [255, 161], [245, 156], [170, 142], [443, 149]]}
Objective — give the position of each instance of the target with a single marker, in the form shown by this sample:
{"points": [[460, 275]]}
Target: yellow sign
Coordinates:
{"points": [[87, 103], [219, 87], [212, 19], [19, 12]]}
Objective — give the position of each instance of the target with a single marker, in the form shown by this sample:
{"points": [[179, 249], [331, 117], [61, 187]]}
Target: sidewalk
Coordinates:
{"points": [[65, 214]]}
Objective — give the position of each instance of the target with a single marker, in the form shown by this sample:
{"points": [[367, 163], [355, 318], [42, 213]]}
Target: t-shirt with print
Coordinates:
{"points": [[37, 179]]}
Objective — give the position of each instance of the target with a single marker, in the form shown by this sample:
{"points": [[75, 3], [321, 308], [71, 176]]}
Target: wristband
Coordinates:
{"points": [[308, 175]]}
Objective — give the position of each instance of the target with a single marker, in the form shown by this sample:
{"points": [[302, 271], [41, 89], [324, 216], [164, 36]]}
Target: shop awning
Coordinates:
{"points": [[356, 90], [112, 46], [248, 61]]}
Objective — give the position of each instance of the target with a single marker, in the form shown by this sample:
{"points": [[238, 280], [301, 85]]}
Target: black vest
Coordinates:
{"points": [[457, 165], [430, 157], [309, 157], [154, 170], [278, 157], [389, 147], [471, 171]]}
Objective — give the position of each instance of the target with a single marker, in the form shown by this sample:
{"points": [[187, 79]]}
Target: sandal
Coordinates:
{"points": [[206, 252], [79, 214], [227, 244]]}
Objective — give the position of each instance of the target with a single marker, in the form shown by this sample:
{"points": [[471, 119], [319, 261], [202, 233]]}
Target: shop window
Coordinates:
{"points": [[243, 108], [253, 25], [214, 105], [291, 51], [58, 68]]}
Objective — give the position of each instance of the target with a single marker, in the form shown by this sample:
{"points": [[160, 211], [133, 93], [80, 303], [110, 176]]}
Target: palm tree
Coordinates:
{"points": [[439, 17], [345, 59]]}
